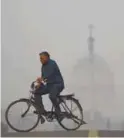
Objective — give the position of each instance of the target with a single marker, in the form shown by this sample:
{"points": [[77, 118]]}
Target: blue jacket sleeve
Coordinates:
{"points": [[49, 71]]}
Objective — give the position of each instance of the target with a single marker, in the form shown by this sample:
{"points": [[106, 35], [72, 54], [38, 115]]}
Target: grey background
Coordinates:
{"points": [[61, 27]]}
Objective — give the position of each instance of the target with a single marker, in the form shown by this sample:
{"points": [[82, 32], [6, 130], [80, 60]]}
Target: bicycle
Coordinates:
{"points": [[50, 116]]}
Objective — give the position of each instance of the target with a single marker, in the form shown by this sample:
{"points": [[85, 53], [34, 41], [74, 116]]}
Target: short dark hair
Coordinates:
{"points": [[45, 53]]}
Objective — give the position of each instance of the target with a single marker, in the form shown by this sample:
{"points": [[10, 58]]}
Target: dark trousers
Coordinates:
{"points": [[53, 90]]}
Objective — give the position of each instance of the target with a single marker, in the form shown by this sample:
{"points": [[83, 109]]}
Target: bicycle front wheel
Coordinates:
{"points": [[20, 117]]}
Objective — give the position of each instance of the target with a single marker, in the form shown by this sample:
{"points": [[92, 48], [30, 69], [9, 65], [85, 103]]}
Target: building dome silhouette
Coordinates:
{"points": [[93, 81]]}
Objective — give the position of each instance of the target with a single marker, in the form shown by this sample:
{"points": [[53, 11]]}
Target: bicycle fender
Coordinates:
{"points": [[78, 104], [24, 99]]}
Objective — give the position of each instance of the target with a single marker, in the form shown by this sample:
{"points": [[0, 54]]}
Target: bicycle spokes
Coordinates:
{"points": [[72, 114]]}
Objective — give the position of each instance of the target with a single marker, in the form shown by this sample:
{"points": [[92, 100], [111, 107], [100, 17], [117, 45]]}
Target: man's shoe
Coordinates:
{"points": [[41, 117], [42, 120]]}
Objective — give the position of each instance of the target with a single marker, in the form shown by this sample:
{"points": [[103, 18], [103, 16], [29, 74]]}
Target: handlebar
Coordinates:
{"points": [[44, 81]]}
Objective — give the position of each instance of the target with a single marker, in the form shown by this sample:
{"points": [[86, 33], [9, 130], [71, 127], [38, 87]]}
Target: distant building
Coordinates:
{"points": [[93, 81], [97, 122]]}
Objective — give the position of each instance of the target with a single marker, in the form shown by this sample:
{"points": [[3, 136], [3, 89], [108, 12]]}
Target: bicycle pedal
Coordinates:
{"points": [[60, 118], [35, 112]]}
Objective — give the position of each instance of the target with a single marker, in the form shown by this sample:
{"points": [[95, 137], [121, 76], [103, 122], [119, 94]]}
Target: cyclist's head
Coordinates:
{"points": [[44, 57]]}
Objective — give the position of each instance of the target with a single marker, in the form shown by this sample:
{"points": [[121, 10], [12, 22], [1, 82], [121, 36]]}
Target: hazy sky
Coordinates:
{"points": [[61, 27]]}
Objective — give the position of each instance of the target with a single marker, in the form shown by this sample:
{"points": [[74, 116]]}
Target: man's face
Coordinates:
{"points": [[43, 59]]}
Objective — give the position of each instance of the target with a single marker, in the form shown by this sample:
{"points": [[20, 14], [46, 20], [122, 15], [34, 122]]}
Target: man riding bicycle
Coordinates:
{"points": [[50, 74]]}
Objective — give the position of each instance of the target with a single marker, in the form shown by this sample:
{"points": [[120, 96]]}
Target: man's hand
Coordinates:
{"points": [[39, 80], [38, 85]]}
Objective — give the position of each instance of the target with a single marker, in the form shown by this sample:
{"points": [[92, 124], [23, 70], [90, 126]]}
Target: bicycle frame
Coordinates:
{"points": [[65, 107]]}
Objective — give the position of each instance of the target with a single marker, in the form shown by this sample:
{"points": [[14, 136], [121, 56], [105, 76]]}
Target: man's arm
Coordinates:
{"points": [[47, 74]]}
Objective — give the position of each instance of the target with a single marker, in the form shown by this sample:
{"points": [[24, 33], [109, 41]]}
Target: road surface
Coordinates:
{"points": [[85, 133]]}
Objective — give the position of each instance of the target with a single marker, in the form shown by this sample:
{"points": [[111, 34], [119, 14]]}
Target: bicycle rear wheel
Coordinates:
{"points": [[73, 111], [22, 118]]}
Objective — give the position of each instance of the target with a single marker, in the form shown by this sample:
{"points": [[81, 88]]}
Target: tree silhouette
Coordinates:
{"points": [[122, 126], [4, 129], [108, 123]]}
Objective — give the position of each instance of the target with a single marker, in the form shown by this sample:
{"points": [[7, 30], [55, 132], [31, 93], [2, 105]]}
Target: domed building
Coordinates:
{"points": [[93, 82]]}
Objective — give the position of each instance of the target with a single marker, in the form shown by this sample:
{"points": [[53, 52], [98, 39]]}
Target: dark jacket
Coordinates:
{"points": [[50, 71]]}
